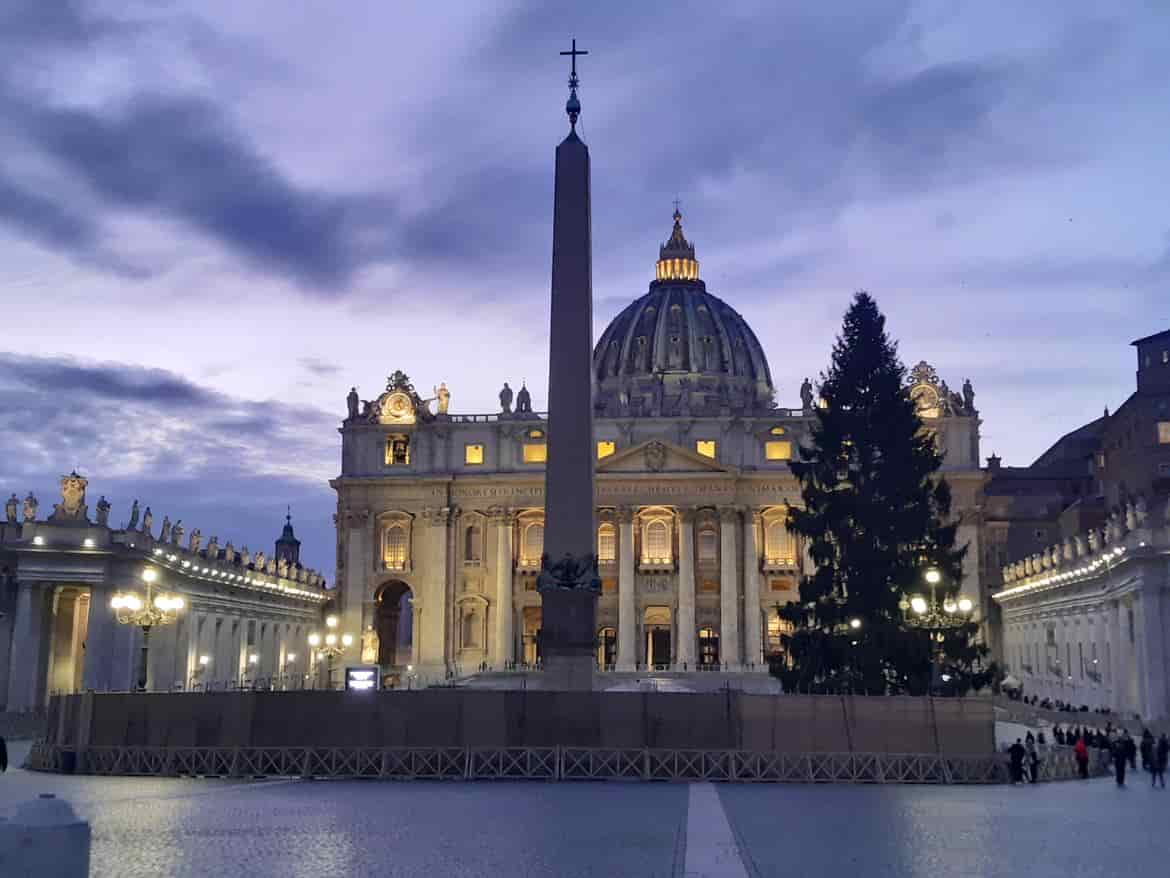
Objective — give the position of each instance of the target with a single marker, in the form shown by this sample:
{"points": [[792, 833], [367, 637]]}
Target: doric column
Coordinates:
{"points": [[753, 650], [728, 589], [433, 652], [1153, 634], [685, 653], [505, 638], [29, 662], [627, 651]]}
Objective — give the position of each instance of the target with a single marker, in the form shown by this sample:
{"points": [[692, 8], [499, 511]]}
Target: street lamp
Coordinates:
{"points": [[331, 644], [936, 617], [130, 608]]}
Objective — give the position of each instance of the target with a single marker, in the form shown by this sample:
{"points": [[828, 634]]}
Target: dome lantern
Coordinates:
{"points": [[676, 258]]}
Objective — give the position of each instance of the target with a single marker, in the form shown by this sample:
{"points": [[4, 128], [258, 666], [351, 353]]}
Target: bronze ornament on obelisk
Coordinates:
{"points": [[569, 582]]}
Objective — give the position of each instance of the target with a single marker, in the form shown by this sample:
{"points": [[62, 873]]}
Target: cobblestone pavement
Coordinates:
{"points": [[292, 828]]}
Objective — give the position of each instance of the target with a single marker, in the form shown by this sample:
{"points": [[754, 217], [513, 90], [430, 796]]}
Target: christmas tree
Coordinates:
{"points": [[876, 517]]}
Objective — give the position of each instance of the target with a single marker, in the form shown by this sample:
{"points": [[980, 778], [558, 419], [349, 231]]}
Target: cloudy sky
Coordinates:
{"points": [[215, 217]]}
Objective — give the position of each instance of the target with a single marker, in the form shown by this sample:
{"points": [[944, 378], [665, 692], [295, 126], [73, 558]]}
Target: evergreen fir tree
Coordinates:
{"points": [[876, 516]]}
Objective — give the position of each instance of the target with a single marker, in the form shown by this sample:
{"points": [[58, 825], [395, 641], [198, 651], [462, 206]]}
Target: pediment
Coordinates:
{"points": [[658, 456]]}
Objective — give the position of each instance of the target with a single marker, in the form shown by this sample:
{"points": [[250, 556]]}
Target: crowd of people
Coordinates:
{"points": [[1026, 755]]}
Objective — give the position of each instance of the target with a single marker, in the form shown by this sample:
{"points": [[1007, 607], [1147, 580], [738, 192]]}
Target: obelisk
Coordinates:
{"points": [[568, 582]]}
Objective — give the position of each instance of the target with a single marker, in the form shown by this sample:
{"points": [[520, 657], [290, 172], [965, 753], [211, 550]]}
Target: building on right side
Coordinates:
{"points": [[1082, 538]]}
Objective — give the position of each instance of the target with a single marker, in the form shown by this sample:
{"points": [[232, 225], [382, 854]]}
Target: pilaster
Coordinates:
{"points": [[729, 654], [686, 630], [753, 625], [504, 521], [627, 647]]}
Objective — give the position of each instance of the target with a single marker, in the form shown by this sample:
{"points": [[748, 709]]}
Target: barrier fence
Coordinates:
{"points": [[545, 763]]}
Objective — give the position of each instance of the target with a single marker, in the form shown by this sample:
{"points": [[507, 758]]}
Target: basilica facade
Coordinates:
{"points": [[440, 518]]}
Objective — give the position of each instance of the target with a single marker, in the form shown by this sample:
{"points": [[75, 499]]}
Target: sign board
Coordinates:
{"points": [[361, 678]]}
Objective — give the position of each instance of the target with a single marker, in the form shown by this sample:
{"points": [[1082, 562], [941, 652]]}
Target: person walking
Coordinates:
{"points": [[1081, 752], [1130, 749], [4, 754], [1016, 753], [1033, 760], [1161, 757], [1147, 751], [1120, 757]]}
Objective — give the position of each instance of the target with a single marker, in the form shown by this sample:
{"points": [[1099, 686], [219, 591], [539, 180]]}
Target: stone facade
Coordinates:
{"points": [[440, 515], [246, 617]]}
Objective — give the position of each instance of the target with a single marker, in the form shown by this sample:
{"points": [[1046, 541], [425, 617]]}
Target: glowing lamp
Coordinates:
{"points": [[331, 639], [314, 639], [347, 640], [965, 605], [331, 621], [933, 576], [918, 604], [854, 624]]}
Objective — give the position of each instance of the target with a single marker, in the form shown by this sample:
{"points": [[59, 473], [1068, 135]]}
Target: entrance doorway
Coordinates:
{"points": [[531, 636], [394, 623], [606, 648], [708, 649], [656, 624]]}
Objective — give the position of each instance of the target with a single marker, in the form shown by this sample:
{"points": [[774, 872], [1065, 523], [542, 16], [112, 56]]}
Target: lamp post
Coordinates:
{"points": [[130, 608], [330, 645], [936, 617]]}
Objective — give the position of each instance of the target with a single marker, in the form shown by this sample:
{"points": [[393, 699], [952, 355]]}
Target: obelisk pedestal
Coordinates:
{"points": [[569, 584]]}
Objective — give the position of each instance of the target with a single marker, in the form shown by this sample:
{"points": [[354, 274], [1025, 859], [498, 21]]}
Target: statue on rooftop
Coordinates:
{"points": [[282, 568], [133, 523], [506, 400], [164, 535], [196, 541], [443, 395], [29, 510], [968, 396], [213, 548], [147, 521], [806, 397], [351, 403], [10, 508], [177, 533], [523, 400], [103, 511]]}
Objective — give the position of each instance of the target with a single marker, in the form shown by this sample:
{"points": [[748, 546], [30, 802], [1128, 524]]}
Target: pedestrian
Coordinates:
{"points": [[1016, 753], [1147, 750], [1081, 751], [1161, 756], [1130, 749], [4, 754], [1120, 757], [1033, 760]]}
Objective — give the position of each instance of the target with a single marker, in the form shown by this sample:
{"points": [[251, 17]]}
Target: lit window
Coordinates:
{"points": [[1164, 432], [706, 447], [606, 543], [394, 547], [473, 454], [779, 546], [708, 545], [776, 628], [778, 449], [397, 450], [778, 431], [605, 448], [533, 543], [535, 452], [657, 541]]}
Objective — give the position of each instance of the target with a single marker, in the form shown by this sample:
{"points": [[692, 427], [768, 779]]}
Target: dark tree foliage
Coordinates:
{"points": [[876, 516]]}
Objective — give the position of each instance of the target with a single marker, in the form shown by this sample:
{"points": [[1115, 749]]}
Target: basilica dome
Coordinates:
{"points": [[678, 350]]}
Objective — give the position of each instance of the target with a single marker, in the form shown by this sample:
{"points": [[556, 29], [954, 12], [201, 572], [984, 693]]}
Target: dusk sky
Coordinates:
{"points": [[216, 217]]}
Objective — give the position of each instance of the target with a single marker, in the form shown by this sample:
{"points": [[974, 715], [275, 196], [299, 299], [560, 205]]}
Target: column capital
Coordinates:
{"points": [[501, 516], [439, 516], [729, 514], [687, 514], [626, 514]]}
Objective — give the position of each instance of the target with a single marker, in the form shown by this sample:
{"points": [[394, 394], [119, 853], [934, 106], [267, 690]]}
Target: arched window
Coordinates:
{"points": [[657, 540], [708, 545], [606, 543], [394, 550], [533, 544], [472, 543], [779, 546]]}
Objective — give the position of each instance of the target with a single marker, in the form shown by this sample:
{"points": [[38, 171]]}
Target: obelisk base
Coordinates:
{"points": [[568, 641]]}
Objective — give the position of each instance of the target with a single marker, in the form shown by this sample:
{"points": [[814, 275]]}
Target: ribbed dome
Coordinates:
{"points": [[696, 346]]}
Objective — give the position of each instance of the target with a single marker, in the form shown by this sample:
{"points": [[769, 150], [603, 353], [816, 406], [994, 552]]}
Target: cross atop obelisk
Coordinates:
{"points": [[573, 106], [568, 581]]}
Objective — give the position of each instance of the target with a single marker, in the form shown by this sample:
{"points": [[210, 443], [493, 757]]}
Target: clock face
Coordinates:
{"points": [[926, 400], [397, 409]]}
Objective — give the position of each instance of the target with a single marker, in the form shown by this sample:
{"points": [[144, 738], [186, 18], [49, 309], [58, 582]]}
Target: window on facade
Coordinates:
{"points": [[705, 447], [779, 545], [708, 545], [533, 543], [606, 543], [1164, 432], [472, 542], [473, 454], [471, 626], [778, 449], [776, 628], [535, 452], [657, 541], [394, 551], [605, 448], [397, 450]]}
